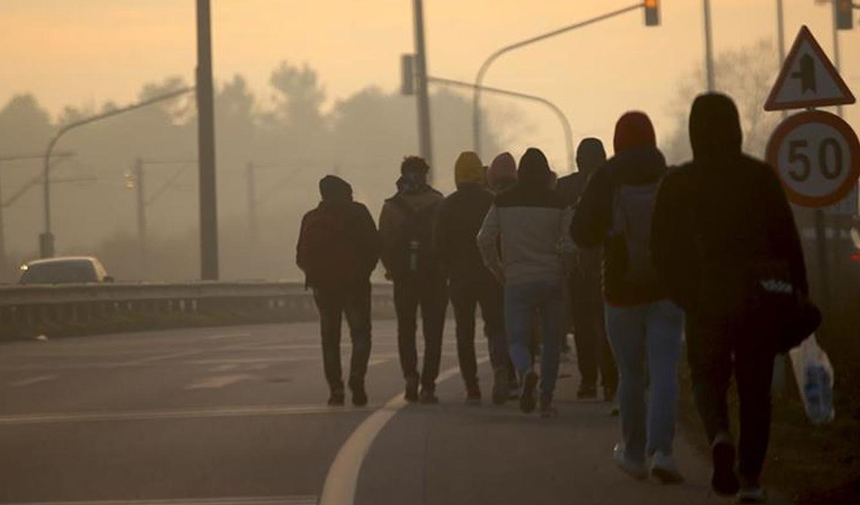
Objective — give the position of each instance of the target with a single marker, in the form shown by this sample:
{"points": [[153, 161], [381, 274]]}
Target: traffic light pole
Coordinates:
{"points": [[709, 48], [141, 213], [836, 55], [252, 202], [206, 145], [425, 140], [479, 78]]}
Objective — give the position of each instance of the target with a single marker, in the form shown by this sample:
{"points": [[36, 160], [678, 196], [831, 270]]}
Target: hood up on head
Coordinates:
{"points": [[534, 169], [333, 188], [502, 171], [590, 155], [715, 127], [468, 169], [634, 129]]}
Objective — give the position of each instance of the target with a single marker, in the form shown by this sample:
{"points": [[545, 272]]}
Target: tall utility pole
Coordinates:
{"points": [[836, 58], [141, 211], [709, 48], [425, 141], [252, 202], [3, 259], [780, 38], [206, 145]]}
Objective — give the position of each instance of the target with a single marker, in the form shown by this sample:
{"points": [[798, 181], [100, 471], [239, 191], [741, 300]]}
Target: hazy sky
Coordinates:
{"points": [[90, 51]]}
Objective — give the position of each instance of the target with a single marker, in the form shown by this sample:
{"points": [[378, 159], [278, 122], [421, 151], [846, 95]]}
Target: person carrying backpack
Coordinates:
{"points": [[406, 229], [722, 226], [643, 325], [338, 249], [470, 283], [531, 220]]}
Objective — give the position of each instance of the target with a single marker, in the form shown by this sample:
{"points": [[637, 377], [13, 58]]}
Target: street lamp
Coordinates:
{"points": [[479, 78]]}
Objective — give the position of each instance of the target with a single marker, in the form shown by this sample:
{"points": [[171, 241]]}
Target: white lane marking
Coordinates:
{"points": [[143, 415], [219, 381], [342, 479], [224, 368], [33, 380], [251, 500], [229, 335]]}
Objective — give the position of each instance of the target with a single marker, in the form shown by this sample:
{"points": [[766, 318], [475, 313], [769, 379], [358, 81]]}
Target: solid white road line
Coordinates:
{"points": [[144, 415], [342, 479], [251, 500], [33, 380], [219, 381]]}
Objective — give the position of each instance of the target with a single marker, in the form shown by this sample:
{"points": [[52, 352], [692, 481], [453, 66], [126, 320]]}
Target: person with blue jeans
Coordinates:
{"points": [[530, 221], [644, 327]]}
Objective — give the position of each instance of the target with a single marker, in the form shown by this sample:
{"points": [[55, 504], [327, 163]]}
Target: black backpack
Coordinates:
{"points": [[411, 250]]}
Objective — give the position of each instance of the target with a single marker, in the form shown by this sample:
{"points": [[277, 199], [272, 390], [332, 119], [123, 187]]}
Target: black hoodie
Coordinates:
{"points": [[721, 214]]}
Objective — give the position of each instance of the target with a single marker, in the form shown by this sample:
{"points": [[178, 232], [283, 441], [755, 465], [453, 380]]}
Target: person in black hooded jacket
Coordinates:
{"points": [[338, 249], [715, 218]]}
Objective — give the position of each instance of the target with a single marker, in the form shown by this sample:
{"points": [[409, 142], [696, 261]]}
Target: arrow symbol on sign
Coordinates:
{"points": [[806, 74]]}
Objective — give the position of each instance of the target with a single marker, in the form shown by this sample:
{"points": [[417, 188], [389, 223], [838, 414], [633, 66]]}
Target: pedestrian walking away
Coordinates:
{"points": [[584, 284], [531, 220], [338, 249], [721, 222], [643, 325], [406, 230], [470, 283]]}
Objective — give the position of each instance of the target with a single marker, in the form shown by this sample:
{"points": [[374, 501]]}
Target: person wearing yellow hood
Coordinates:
{"points": [[458, 219]]}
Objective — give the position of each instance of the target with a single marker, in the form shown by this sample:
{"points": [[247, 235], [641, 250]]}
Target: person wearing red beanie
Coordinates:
{"points": [[643, 325]]}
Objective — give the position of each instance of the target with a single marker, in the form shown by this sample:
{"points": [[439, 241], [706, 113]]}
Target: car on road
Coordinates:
{"points": [[64, 270]]}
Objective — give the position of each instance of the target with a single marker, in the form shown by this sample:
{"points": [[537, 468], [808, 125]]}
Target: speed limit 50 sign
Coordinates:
{"points": [[817, 157]]}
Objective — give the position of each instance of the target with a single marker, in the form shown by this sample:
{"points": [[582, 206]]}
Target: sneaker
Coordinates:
{"points": [[664, 468], [754, 494], [615, 411], [501, 388], [411, 394], [336, 399], [359, 395], [636, 470], [547, 409], [473, 393], [527, 398], [428, 397], [724, 481], [586, 392]]}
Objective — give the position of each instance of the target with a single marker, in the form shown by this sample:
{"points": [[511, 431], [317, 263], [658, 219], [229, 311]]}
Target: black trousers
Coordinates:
{"points": [[466, 296], [593, 352], [333, 303], [430, 293], [716, 349]]}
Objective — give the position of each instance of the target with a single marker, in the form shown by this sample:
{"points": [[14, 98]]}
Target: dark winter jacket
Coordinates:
{"points": [[720, 215], [592, 220], [420, 198], [458, 221]]}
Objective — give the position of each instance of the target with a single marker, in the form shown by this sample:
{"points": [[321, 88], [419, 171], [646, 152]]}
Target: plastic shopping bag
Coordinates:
{"points": [[814, 375]]}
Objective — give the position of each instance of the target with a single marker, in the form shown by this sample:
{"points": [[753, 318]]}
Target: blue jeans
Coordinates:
{"points": [[646, 341], [522, 302]]}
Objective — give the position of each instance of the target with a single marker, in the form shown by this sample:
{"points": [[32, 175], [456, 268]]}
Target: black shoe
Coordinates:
{"points": [[608, 394], [473, 393], [527, 398], [359, 395], [586, 392], [546, 408], [336, 399], [411, 393], [428, 397], [501, 388], [724, 481]]}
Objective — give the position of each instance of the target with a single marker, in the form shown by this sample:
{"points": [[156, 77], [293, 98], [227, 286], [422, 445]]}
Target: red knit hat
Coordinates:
{"points": [[634, 129]]}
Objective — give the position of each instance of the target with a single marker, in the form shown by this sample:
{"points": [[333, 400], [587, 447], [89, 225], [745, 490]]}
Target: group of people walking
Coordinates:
{"points": [[625, 250]]}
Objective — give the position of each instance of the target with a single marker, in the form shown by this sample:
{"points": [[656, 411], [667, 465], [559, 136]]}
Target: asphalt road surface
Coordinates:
{"points": [[237, 416]]}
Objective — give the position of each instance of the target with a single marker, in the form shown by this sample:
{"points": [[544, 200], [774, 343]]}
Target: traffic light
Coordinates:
{"points": [[844, 14], [407, 74], [652, 12]]}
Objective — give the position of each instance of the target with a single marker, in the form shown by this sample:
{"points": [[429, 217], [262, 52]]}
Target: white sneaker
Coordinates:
{"points": [[636, 470], [664, 468]]}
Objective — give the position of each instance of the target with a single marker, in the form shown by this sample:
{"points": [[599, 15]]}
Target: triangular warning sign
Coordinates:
{"points": [[807, 78]]}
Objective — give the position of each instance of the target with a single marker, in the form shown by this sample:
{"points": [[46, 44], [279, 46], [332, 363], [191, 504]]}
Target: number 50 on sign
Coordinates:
{"points": [[817, 157]]}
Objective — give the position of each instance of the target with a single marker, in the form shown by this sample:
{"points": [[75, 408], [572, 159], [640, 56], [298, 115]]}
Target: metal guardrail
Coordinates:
{"points": [[80, 309]]}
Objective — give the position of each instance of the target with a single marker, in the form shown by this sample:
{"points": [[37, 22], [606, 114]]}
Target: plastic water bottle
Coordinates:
{"points": [[413, 255], [818, 393]]}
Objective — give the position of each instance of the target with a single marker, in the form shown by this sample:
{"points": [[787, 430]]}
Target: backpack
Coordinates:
{"points": [[633, 211], [411, 250], [327, 251]]}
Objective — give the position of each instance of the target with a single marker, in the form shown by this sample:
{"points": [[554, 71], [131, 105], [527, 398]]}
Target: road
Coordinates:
{"points": [[237, 416]]}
